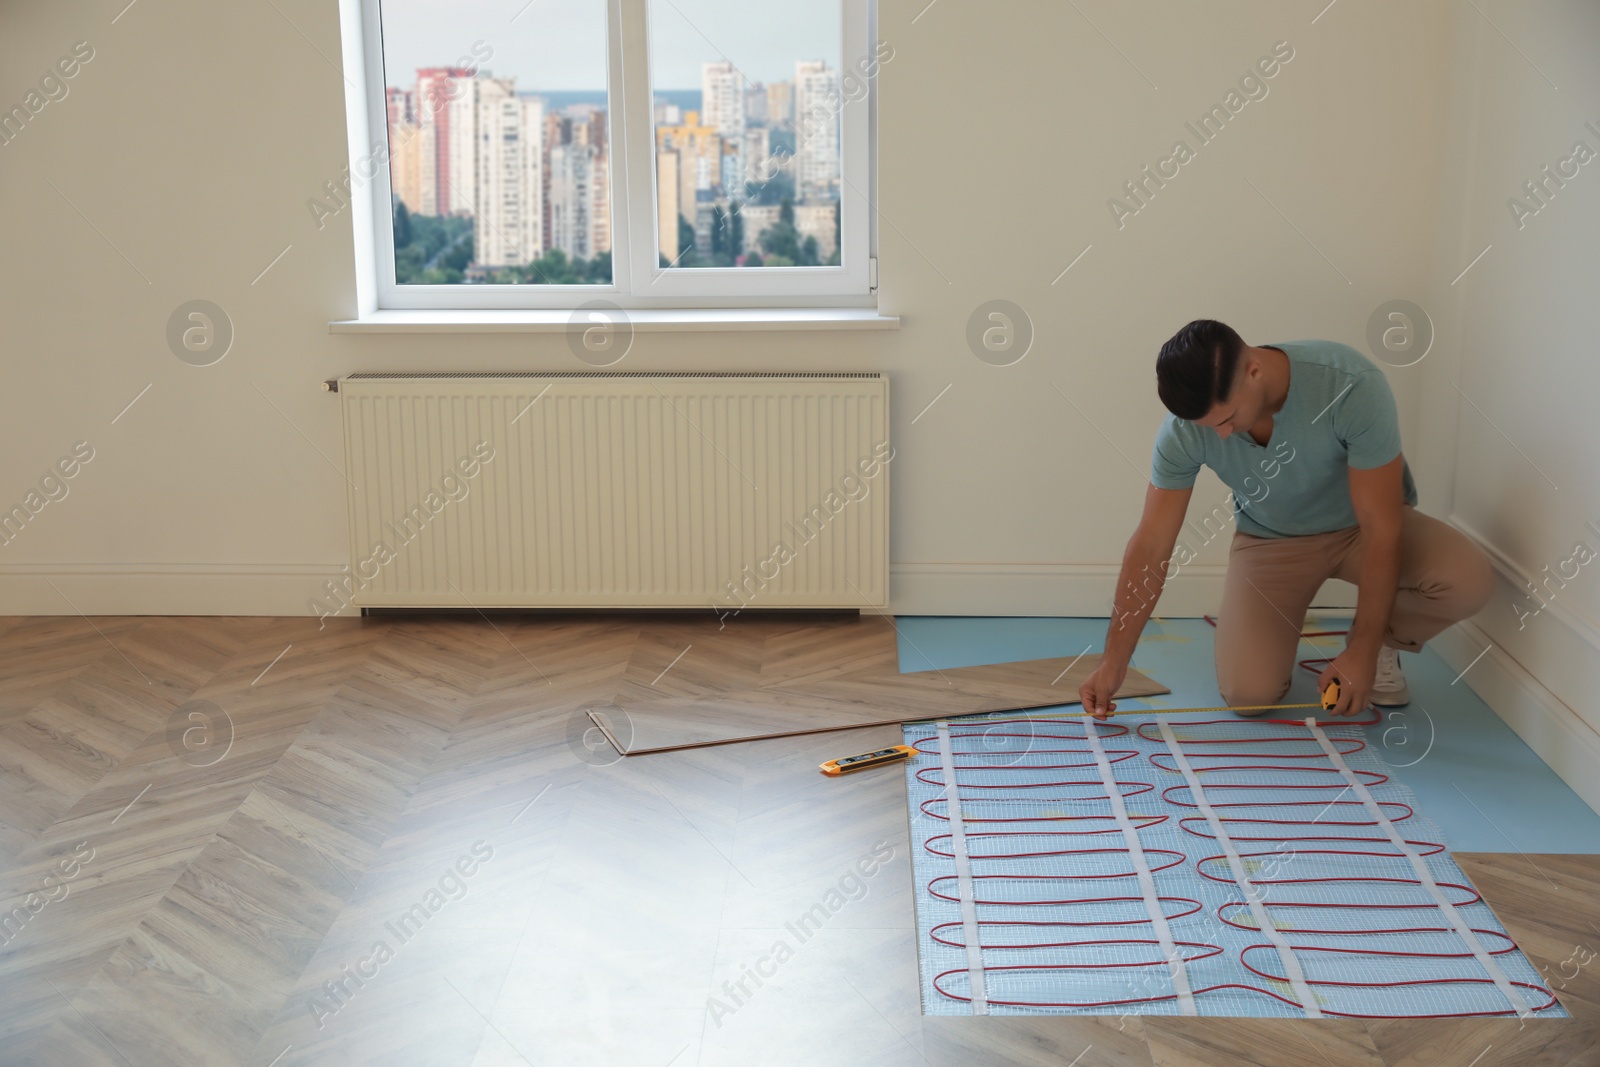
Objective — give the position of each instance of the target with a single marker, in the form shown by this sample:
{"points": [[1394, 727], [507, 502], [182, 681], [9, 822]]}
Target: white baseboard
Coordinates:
{"points": [[161, 588], [1002, 589], [1554, 730], [1541, 671], [1516, 580], [1072, 589]]}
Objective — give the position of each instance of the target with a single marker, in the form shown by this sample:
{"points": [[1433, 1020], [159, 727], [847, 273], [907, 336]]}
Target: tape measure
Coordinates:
{"points": [[1330, 700], [895, 753]]}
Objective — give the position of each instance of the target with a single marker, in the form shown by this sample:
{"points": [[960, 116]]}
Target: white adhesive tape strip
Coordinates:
{"points": [[958, 846], [1424, 875], [1252, 896], [1141, 868]]}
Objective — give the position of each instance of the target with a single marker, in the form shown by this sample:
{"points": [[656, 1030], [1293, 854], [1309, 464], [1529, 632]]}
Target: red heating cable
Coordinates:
{"points": [[1223, 912]]}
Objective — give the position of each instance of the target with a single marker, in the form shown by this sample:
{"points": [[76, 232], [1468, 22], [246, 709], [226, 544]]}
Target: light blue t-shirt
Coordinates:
{"points": [[1339, 413]]}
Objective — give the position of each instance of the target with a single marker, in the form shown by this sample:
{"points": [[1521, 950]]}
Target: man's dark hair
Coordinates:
{"points": [[1194, 369]]}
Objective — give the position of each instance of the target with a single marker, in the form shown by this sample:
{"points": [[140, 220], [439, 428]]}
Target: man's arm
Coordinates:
{"points": [[1376, 495], [1139, 584]]}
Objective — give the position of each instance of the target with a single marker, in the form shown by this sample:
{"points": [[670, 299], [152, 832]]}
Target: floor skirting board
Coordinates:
{"points": [[165, 588], [1549, 726], [1056, 589], [988, 589]]}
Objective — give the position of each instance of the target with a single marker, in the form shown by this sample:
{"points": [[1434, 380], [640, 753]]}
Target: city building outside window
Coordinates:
{"points": [[541, 154]]}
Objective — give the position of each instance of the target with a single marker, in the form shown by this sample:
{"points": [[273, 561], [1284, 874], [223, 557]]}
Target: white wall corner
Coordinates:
{"points": [[1434, 450]]}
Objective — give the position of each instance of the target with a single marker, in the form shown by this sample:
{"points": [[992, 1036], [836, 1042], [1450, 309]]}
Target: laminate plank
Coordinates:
{"points": [[1486, 1042], [798, 654], [1260, 1043], [692, 657], [37, 655], [1035, 1041], [643, 722], [1547, 903]]}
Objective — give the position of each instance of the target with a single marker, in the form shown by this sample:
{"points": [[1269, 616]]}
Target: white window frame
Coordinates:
{"points": [[638, 281]]}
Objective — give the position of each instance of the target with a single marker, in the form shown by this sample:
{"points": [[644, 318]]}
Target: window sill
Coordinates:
{"points": [[663, 320]]}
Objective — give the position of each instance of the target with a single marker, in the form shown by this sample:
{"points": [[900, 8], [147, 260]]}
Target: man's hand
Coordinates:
{"points": [[1355, 671], [1102, 684]]}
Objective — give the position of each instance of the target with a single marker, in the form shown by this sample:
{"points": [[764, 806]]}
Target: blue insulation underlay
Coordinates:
{"points": [[1486, 789]]}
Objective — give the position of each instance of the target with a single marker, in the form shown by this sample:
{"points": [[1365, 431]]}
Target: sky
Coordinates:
{"points": [[560, 44]]}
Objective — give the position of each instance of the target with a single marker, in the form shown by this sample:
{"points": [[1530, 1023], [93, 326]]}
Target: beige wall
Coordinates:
{"points": [[193, 140], [1507, 430]]}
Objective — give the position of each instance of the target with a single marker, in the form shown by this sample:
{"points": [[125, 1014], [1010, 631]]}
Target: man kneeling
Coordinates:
{"points": [[1306, 435]]}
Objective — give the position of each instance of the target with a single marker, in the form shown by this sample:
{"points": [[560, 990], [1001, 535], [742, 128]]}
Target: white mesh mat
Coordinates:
{"points": [[1069, 923]]}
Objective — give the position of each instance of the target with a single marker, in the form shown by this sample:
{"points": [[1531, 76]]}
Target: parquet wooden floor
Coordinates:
{"points": [[780, 678], [409, 847]]}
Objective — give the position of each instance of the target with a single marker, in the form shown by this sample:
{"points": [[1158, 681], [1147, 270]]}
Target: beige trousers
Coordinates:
{"points": [[1444, 578]]}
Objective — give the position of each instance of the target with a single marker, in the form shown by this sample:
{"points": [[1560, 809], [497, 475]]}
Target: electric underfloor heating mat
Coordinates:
{"points": [[1210, 867]]}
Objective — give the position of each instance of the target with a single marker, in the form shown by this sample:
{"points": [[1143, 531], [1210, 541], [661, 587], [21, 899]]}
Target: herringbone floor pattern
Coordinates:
{"points": [[760, 681], [397, 841]]}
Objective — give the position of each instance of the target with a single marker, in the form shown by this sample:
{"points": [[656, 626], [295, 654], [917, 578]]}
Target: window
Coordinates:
{"points": [[655, 153]]}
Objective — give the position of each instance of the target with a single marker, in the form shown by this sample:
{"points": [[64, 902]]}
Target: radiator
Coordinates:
{"points": [[607, 490]]}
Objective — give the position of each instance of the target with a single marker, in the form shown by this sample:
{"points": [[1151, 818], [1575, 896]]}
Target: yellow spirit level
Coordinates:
{"points": [[835, 767]]}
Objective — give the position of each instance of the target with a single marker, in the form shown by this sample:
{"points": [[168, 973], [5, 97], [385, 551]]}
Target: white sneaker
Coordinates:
{"points": [[1389, 684]]}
